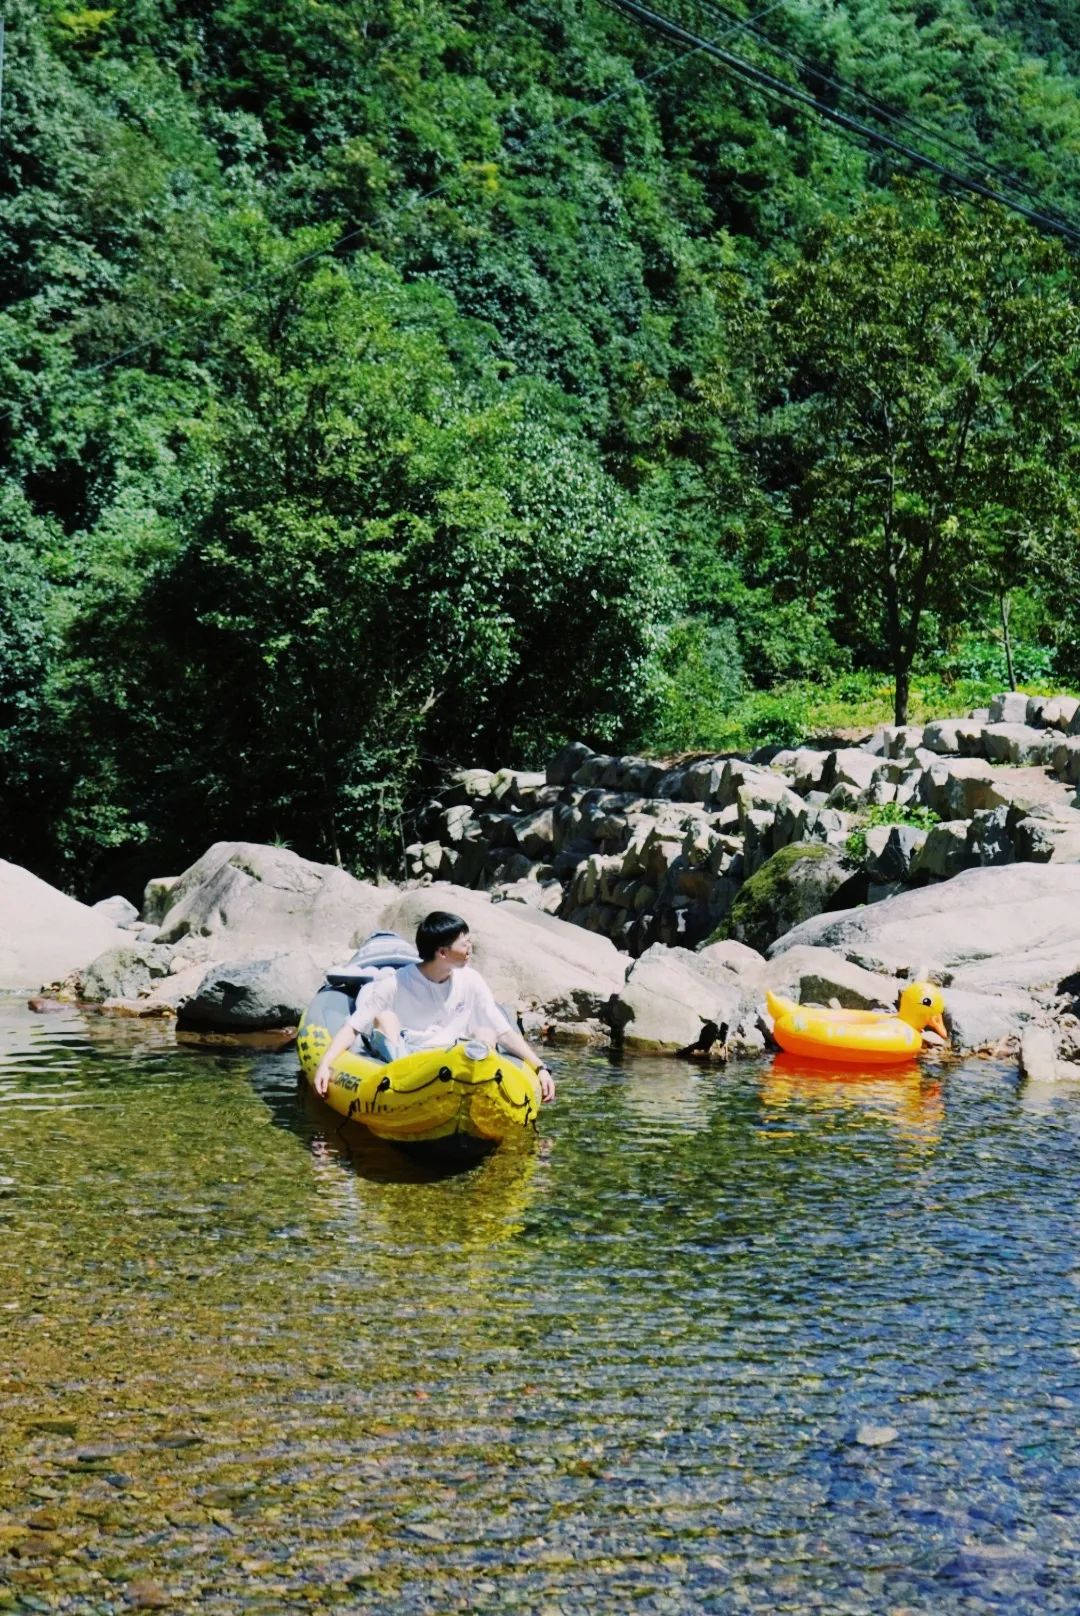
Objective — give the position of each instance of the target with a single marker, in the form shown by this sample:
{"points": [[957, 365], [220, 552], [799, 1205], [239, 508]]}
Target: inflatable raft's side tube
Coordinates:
{"points": [[330, 1009]]}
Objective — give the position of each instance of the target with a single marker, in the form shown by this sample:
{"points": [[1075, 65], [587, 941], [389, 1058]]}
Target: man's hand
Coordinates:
{"points": [[323, 1075], [546, 1082]]}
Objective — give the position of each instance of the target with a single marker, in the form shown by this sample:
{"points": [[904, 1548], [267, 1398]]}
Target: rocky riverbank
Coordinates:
{"points": [[645, 854], [618, 899]]}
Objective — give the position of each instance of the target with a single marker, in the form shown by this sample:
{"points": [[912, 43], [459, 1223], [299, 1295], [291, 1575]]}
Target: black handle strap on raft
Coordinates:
{"points": [[443, 1075]]}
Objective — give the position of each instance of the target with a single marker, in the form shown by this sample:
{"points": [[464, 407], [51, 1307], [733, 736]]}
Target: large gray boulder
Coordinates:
{"points": [[1003, 914], [818, 976], [559, 976], [1038, 1055], [1049, 840], [156, 898], [535, 833], [849, 766], [901, 740], [1052, 712], [1018, 743], [670, 996], [986, 1020], [956, 788], [1009, 707], [989, 838], [44, 934], [1039, 971], [734, 961], [249, 898], [958, 736], [702, 781], [254, 995], [126, 972], [891, 850], [944, 851], [1066, 759], [121, 911]]}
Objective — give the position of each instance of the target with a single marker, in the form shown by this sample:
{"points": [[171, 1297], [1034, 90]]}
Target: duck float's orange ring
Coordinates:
{"points": [[858, 1037]]}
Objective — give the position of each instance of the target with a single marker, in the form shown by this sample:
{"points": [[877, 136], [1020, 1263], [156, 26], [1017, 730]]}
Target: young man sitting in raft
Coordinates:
{"points": [[432, 1005]]}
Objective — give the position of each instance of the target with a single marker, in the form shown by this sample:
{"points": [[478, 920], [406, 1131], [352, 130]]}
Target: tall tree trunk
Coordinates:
{"points": [[898, 652], [898, 655], [902, 676], [1005, 603]]}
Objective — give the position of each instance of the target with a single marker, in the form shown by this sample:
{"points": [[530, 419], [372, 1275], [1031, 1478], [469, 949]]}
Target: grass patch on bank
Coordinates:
{"points": [[854, 701], [887, 813], [791, 713]]}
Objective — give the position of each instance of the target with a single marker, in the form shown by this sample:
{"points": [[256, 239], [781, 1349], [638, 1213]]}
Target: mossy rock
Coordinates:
{"points": [[796, 883]]}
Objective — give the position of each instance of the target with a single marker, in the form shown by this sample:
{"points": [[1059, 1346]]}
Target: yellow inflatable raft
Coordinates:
{"points": [[470, 1094], [865, 1037]]}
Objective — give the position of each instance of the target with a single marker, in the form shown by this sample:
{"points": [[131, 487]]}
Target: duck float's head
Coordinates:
{"points": [[921, 1005]]}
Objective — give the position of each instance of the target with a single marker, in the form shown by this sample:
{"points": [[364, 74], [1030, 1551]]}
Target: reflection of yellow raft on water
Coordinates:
{"points": [[469, 1095], [863, 1037]]}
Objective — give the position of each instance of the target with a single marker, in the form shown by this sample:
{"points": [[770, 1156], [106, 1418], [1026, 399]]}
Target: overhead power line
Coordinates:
{"points": [[896, 116], [792, 95]]}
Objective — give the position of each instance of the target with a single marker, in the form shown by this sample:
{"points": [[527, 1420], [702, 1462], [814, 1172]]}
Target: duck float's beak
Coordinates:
{"points": [[936, 1024]]}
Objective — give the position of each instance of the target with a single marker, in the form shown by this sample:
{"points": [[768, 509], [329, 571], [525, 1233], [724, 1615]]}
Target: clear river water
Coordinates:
{"points": [[722, 1340]]}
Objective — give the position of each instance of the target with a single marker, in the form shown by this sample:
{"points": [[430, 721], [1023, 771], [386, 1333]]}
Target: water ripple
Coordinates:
{"points": [[729, 1342]]}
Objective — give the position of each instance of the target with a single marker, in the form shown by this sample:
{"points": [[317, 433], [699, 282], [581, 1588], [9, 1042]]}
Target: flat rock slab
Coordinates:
{"points": [[1000, 913], [274, 1038], [1032, 787]]}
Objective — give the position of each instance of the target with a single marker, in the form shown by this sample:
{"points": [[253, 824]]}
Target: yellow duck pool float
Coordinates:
{"points": [[863, 1037], [469, 1095]]}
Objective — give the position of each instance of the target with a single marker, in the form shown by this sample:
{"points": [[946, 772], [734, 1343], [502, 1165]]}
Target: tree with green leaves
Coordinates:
{"points": [[922, 410], [406, 561]]}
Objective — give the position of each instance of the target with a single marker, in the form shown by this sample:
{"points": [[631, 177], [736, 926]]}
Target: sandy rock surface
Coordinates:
{"points": [[45, 935]]}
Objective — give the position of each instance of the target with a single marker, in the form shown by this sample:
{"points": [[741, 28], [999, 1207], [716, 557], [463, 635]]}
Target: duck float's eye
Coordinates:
{"points": [[927, 1000]]}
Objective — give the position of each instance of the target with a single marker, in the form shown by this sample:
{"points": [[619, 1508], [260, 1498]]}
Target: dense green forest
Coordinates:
{"points": [[387, 386]]}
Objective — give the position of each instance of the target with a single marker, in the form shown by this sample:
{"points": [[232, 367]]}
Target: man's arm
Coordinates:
{"points": [[373, 997], [509, 1036], [340, 1042], [512, 1040]]}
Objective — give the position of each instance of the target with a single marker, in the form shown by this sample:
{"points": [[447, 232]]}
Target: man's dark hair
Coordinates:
{"points": [[437, 930]]}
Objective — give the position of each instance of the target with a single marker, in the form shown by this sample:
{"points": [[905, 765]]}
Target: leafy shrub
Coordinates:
{"points": [[701, 679], [887, 813], [777, 720], [982, 657]]}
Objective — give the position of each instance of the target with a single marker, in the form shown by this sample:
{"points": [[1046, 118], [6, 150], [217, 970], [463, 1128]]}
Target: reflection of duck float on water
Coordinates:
{"points": [[865, 1037]]}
